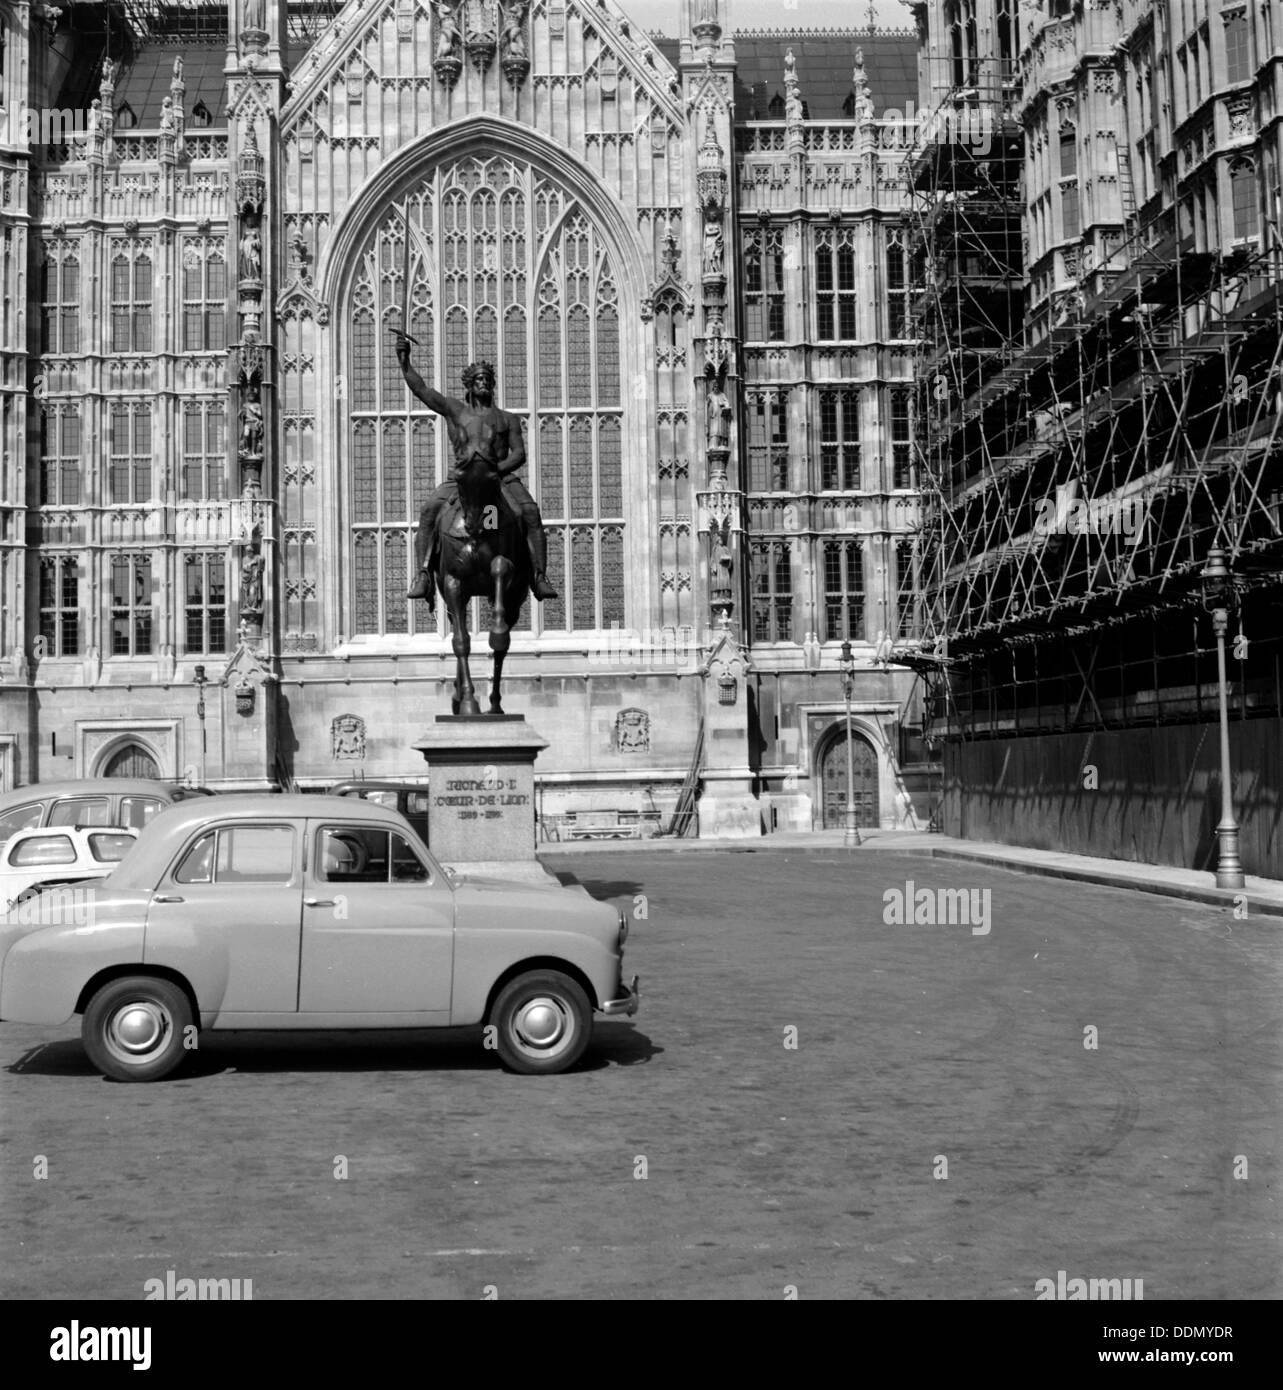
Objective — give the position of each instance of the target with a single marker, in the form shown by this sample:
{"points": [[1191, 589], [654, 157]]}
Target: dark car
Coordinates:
{"points": [[411, 799]]}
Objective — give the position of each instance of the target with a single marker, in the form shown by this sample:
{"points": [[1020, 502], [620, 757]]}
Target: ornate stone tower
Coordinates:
{"points": [[256, 90], [707, 62]]}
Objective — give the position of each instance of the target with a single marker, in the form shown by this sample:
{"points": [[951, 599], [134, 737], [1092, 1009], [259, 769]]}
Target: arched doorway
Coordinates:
{"points": [[131, 760], [833, 781]]}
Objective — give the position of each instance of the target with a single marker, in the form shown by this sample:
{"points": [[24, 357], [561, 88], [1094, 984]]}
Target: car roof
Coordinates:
{"points": [[160, 837], [47, 830], [375, 785], [88, 786]]}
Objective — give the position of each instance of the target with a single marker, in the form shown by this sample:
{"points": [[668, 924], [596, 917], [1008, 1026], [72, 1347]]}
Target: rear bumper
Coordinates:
{"points": [[628, 1003]]}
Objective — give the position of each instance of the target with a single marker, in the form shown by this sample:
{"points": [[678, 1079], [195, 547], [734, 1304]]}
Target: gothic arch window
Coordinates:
{"points": [[835, 284], [60, 296], [505, 266], [131, 295], [1243, 199]]}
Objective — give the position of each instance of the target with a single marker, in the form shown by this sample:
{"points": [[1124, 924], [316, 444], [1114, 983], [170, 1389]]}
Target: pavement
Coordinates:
{"points": [[1258, 895]]}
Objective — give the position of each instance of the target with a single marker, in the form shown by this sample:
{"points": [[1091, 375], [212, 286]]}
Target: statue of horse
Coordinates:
{"points": [[481, 553]]}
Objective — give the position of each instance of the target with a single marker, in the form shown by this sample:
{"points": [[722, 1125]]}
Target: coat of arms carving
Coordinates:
{"points": [[347, 738], [632, 731]]}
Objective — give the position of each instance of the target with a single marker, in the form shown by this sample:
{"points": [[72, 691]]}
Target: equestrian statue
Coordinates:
{"points": [[480, 533]]}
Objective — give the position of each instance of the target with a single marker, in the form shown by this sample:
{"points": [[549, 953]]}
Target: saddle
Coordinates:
{"points": [[452, 525]]}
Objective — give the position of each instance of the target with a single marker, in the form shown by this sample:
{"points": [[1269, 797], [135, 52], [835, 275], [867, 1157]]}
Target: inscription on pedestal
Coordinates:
{"points": [[482, 776], [481, 813]]}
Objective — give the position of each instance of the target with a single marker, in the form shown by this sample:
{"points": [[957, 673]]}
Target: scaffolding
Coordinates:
{"points": [[1074, 485]]}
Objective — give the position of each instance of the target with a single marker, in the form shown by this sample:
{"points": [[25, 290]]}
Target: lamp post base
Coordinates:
{"points": [[1229, 867], [851, 832]]}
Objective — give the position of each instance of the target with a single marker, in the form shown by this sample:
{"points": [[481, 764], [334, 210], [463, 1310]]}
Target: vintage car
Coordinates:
{"points": [[411, 799], [311, 912], [33, 860], [128, 801]]}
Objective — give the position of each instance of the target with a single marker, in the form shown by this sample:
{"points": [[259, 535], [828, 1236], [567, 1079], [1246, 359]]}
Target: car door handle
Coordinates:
{"points": [[319, 902], [167, 898]]}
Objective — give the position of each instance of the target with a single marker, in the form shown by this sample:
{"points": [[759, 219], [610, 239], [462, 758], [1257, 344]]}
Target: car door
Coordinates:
{"points": [[378, 925], [227, 915]]}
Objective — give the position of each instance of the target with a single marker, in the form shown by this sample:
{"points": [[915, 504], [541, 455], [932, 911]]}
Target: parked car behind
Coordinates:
{"points": [[289, 912], [125, 801], [33, 860], [410, 799]]}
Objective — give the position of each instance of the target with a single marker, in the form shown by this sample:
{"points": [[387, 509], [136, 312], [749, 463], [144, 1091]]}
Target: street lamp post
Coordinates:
{"points": [[1216, 591], [199, 677], [851, 832]]}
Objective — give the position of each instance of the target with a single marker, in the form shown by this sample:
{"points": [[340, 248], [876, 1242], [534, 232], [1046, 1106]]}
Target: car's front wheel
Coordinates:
{"points": [[544, 1022], [135, 1028]]}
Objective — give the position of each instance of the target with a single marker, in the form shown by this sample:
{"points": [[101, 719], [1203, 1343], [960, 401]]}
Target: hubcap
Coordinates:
{"points": [[542, 1023], [137, 1029]]}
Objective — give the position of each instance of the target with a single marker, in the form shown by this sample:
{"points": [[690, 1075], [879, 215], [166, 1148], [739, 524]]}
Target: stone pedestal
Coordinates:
{"points": [[481, 812]]}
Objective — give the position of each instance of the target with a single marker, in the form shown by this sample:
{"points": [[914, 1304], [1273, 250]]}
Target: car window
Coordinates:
{"points": [[407, 867], [45, 849], [110, 846], [20, 818], [360, 854], [255, 854], [197, 865], [416, 804], [136, 811], [81, 810], [352, 854]]}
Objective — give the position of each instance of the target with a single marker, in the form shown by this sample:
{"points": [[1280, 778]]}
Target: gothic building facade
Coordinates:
{"points": [[685, 259]]}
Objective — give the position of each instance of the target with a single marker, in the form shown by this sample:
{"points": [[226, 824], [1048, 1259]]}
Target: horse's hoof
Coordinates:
{"points": [[469, 709], [496, 708]]}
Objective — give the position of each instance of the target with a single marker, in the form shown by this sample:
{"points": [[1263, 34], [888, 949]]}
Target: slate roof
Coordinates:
{"points": [[825, 59], [824, 63], [144, 83]]}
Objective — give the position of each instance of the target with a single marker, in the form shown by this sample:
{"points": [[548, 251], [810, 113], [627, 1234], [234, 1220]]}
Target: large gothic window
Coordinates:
{"points": [[505, 266]]}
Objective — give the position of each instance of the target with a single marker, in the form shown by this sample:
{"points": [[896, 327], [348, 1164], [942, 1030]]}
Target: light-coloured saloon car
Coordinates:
{"points": [[267, 912], [35, 859]]}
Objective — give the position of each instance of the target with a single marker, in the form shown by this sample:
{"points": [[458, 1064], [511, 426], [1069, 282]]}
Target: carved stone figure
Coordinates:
{"points": [[253, 15], [252, 430], [513, 39], [93, 121], [448, 40], [719, 419], [251, 254], [714, 248], [252, 583], [167, 116], [723, 559]]}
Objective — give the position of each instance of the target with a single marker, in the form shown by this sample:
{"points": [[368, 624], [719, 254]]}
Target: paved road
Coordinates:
{"points": [[765, 1166]]}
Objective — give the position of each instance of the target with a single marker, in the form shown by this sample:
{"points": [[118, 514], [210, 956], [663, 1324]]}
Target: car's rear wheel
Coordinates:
{"points": [[134, 1028], [544, 1022]]}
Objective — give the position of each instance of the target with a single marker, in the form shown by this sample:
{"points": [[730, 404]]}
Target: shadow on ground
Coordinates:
{"points": [[438, 1049]]}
